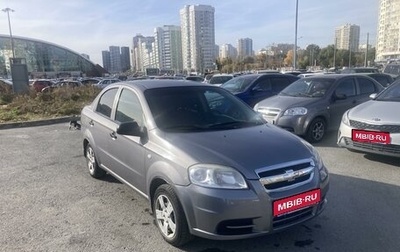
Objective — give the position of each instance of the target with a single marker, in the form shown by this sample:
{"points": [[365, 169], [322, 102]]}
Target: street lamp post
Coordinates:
{"points": [[295, 38], [9, 27]]}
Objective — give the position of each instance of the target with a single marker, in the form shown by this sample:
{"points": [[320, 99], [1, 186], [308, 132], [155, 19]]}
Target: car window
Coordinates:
{"points": [[263, 85], [366, 86], [346, 87], [279, 83], [106, 102], [239, 84], [384, 80], [128, 108]]}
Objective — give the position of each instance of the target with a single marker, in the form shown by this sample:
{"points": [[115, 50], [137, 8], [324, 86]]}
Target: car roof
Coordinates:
{"points": [[157, 83]]}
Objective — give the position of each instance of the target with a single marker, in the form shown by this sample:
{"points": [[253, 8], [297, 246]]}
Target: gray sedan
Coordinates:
{"points": [[208, 164]]}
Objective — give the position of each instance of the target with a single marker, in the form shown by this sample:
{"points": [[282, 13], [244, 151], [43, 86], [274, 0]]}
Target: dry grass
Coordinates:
{"points": [[64, 101]]}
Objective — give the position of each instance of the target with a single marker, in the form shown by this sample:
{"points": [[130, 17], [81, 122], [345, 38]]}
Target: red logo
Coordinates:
{"points": [[370, 136], [296, 202]]}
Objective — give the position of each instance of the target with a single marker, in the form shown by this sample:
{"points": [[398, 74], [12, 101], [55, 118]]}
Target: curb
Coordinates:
{"points": [[38, 122]]}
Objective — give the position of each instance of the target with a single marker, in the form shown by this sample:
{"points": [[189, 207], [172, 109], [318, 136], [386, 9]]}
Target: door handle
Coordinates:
{"points": [[91, 123], [113, 135]]}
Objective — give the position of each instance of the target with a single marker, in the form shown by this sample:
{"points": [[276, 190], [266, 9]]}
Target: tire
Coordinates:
{"points": [[316, 131], [94, 170], [169, 216]]}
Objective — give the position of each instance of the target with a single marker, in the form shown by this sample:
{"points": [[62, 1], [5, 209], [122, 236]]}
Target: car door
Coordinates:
{"points": [[345, 88], [128, 153], [260, 89], [100, 124], [366, 87]]}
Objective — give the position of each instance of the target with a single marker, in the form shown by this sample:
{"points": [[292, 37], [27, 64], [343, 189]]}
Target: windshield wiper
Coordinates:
{"points": [[234, 124]]}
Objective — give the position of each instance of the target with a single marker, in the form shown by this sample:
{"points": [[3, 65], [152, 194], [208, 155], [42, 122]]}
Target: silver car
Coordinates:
{"points": [[374, 126], [208, 164]]}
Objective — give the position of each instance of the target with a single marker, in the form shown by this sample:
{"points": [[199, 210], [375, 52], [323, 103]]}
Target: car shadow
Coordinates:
{"points": [[109, 178], [383, 159]]}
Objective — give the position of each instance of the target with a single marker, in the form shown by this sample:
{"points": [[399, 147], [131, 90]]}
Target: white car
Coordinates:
{"points": [[374, 126]]}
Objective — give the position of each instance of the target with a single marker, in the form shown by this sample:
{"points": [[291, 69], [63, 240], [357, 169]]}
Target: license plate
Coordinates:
{"points": [[370, 136], [296, 202]]}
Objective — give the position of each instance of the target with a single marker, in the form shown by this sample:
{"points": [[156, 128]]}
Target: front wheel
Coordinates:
{"points": [[169, 215], [316, 130], [94, 170]]}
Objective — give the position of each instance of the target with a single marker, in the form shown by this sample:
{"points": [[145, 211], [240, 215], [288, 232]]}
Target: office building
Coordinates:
{"points": [[388, 37], [106, 60], [347, 37], [125, 59], [198, 38], [115, 59], [227, 51]]}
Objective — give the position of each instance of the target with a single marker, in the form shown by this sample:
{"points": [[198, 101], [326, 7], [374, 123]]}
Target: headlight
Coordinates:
{"points": [[323, 172], [216, 176], [295, 111], [345, 118]]}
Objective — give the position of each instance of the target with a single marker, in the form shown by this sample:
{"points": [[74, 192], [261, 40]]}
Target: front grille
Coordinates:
{"points": [[287, 174], [269, 114], [292, 218], [375, 147], [367, 126]]}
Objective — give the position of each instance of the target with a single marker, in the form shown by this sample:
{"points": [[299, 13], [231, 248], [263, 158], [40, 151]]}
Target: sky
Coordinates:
{"points": [[91, 26]]}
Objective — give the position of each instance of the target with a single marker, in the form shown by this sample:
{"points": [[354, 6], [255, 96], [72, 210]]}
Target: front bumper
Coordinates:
{"points": [[236, 214], [345, 140], [294, 124]]}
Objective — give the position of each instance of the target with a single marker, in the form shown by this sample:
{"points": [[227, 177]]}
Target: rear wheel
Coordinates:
{"points": [[316, 130], [94, 170], [169, 215]]}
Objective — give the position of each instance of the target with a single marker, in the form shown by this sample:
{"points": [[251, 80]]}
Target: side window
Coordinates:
{"points": [[263, 85], [346, 87], [279, 83], [366, 86], [106, 102], [128, 108]]}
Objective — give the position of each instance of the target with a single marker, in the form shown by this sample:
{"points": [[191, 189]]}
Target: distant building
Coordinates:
{"points": [[115, 58], [45, 59], [245, 47], [347, 37], [125, 59], [227, 51], [168, 48], [143, 54], [106, 60], [86, 56], [388, 38], [198, 37]]}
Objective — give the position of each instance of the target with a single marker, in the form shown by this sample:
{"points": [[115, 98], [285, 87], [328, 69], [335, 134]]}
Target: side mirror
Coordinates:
{"points": [[129, 128], [373, 96]]}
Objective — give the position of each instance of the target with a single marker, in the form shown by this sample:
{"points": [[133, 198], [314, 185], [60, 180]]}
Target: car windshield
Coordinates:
{"points": [[239, 84], [188, 109], [308, 87], [391, 93]]}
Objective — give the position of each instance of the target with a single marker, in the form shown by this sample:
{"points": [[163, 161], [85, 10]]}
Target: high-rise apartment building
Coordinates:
{"points": [[168, 48], [227, 51], [388, 37], [143, 54], [347, 37], [245, 47], [106, 60], [115, 59], [198, 37], [125, 59]]}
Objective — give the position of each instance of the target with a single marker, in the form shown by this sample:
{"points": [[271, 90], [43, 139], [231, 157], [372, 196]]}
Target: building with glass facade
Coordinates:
{"points": [[45, 60]]}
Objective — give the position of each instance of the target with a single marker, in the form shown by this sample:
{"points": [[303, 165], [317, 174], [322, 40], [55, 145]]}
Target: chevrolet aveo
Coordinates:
{"points": [[209, 165]]}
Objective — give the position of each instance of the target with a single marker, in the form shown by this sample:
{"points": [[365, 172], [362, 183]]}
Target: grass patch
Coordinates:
{"points": [[63, 101]]}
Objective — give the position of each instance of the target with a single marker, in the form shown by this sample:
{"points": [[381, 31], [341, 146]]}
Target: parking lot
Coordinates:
{"points": [[50, 203]]}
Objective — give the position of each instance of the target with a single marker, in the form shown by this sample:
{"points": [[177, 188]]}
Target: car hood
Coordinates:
{"points": [[285, 102], [381, 112], [245, 149]]}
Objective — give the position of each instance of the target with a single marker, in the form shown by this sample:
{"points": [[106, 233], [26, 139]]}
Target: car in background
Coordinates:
{"points": [[392, 68], [105, 82], [252, 88], [201, 157], [359, 70], [90, 81], [313, 105], [374, 126], [219, 79], [195, 78], [39, 84], [384, 79]]}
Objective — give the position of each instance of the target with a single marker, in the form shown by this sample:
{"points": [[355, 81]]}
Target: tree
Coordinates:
{"points": [[288, 61]]}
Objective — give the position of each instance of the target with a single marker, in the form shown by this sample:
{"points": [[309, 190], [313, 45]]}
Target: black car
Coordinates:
{"points": [[383, 78], [252, 88]]}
